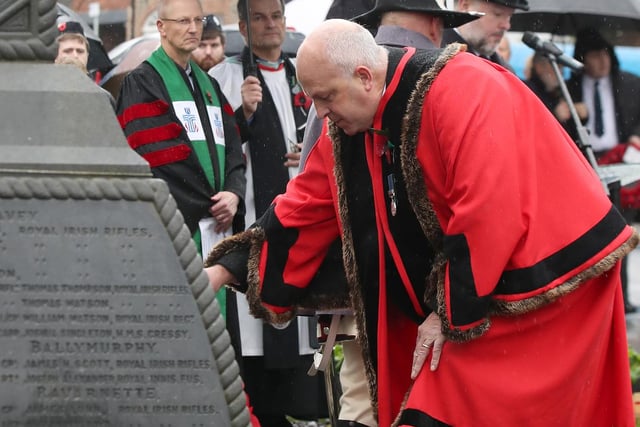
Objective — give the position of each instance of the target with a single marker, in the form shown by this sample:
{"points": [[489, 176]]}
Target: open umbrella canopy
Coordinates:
{"points": [[127, 58], [566, 17], [235, 43], [128, 55]]}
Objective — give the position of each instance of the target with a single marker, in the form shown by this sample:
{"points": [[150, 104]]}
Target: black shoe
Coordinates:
{"points": [[629, 308]]}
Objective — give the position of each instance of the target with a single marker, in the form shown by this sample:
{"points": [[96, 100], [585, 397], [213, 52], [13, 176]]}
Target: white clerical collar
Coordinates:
{"points": [[189, 74]]}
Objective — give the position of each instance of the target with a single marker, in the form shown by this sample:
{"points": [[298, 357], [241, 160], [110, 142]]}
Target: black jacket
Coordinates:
{"points": [[626, 94]]}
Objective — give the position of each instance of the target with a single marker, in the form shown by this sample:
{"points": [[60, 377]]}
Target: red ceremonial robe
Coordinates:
{"points": [[526, 274], [527, 215]]}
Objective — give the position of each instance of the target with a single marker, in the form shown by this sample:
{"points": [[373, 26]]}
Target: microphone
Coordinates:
{"points": [[549, 48]]}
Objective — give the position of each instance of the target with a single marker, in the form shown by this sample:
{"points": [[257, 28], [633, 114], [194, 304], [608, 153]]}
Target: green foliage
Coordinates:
{"points": [[634, 364], [338, 356]]}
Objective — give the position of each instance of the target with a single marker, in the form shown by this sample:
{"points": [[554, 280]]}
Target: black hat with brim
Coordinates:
{"points": [[590, 39], [450, 18], [70, 27], [514, 4]]}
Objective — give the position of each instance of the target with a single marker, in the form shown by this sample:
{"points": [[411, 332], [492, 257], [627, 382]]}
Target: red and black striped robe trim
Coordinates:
{"points": [[153, 130]]}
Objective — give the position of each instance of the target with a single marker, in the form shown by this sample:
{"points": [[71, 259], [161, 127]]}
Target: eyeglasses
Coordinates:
{"points": [[185, 22]]}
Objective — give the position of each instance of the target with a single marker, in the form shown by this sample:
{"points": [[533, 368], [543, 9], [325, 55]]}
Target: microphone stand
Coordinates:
{"points": [[583, 136]]}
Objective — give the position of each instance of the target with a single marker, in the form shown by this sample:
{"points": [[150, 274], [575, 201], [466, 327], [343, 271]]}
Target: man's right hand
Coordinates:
{"points": [[219, 276], [251, 92]]}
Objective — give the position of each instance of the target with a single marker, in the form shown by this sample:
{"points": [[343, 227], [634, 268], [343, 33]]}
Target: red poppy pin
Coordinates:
{"points": [[383, 146], [301, 100], [209, 97]]}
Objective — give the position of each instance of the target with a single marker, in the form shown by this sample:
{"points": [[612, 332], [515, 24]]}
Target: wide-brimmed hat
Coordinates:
{"points": [[590, 39], [514, 4], [450, 18]]}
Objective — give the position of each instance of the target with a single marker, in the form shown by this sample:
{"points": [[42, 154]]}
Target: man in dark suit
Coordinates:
{"points": [[618, 91], [613, 102], [483, 35]]}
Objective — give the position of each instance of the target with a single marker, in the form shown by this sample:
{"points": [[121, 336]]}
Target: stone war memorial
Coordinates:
{"points": [[106, 315]]}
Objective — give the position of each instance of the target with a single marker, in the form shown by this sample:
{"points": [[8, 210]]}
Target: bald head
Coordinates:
{"points": [[329, 29], [343, 70], [340, 43], [180, 24]]}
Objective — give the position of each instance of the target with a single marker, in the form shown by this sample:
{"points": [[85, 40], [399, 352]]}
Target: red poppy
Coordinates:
{"points": [[301, 100]]}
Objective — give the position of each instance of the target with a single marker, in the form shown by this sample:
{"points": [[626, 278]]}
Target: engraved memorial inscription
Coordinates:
{"points": [[98, 326]]}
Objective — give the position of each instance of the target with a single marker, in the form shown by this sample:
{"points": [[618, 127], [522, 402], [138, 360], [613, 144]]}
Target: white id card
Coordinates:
{"points": [[631, 154], [208, 235]]}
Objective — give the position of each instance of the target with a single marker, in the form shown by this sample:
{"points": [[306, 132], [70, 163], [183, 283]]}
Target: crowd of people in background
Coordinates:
{"points": [[226, 134], [210, 51]]}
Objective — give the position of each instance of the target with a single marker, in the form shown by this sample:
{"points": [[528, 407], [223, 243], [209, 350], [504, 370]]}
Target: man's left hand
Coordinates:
{"points": [[224, 208]]}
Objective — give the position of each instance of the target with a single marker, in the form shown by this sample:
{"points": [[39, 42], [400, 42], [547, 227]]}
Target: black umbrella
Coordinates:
{"points": [[566, 17], [253, 70]]}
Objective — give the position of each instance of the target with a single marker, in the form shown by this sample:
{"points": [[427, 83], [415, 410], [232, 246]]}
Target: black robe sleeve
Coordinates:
{"points": [[153, 131]]}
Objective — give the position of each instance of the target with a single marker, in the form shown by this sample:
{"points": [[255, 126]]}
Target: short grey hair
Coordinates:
{"points": [[162, 5], [350, 49]]}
